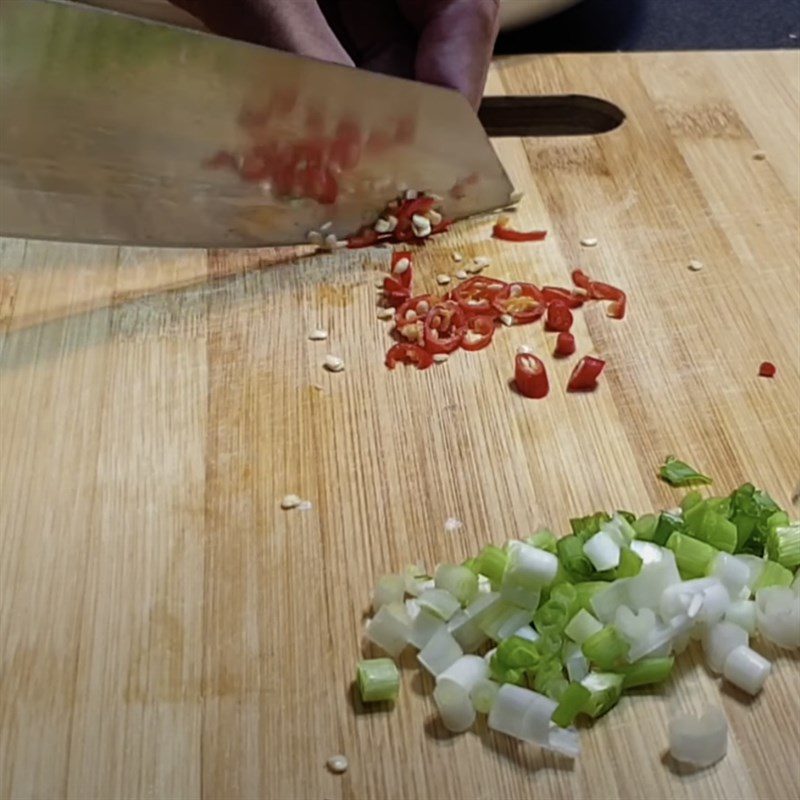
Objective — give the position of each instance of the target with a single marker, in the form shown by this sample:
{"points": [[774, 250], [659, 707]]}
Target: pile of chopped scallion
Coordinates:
{"points": [[540, 631]]}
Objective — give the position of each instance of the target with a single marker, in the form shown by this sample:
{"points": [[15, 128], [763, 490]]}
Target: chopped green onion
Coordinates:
{"points": [[691, 555], [390, 629], [549, 679], [550, 643], [750, 511], [620, 530], [441, 651], [483, 695], [544, 540], [471, 564], [668, 523], [415, 579], [630, 564], [503, 673], [586, 591], [628, 516], [573, 559], [551, 616], [572, 702], [583, 626], [690, 500], [529, 567], [439, 602], [502, 619], [605, 648], [518, 652], [378, 679], [645, 527], [783, 545], [711, 527], [491, 562], [647, 671], [605, 690], [603, 552], [459, 581], [679, 473], [389, 589], [585, 527], [567, 594], [774, 574]]}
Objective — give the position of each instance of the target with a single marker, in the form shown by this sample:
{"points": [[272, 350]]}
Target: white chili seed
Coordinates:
{"points": [[515, 290], [524, 350], [392, 220], [314, 237], [507, 320], [411, 194], [401, 266], [695, 265], [290, 501], [381, 226], [331, 242], [423, 307], [481, 261], [589, 241], [411, 315], [457, 257], [385, 313], [461, 275], [337, 764], [516, 197], [434, 216], [318, 335], [442, 279], [305, 505], [333, 363], [326, 226], [474, 269], [440, 358]]}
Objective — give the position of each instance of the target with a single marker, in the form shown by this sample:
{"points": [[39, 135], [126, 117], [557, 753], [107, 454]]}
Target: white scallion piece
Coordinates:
{"points": [[466, 631], [716, 602], [778, 615], [440, 652], [390, 629], [719, 640], [415, 578], [645, 590], [521, 596], [746, 669], [423, 626], [563, 740], [464, 673], [677, 599], [576, 663], [290, 501], [529, 566], [439, 602], [460, 581], [649, 553], [582, 626], [527, 632], [455, 707], [743, 614], [699, 742], [606, 601], [389, 589], [634, 627], [602, 551], [517, 712], [756, 566], [733, 573], [483, 695]]}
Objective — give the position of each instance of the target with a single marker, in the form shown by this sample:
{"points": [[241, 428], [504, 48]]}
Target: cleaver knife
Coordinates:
{"points": [[124, 131]]}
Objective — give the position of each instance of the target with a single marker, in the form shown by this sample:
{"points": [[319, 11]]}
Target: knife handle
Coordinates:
{"points": [[549, 115]]}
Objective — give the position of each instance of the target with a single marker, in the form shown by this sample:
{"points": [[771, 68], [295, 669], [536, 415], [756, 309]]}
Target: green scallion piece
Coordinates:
{"points": [[491, 562], [667, 525], [517, 652], [646, 672], [549, 678], [460, 581], [544, 540], [691, 555], [570, 554], [630, 564], [571, 703], [783, 544], [691, 499], [502, 673], [605, 690], [567, 594], [586, 527], [586, 591], [774, 574], [378, 680], [471, 564], [705, 523], [679, 473], [551, 616], [606, 648], [550, 644], [645, 527]]}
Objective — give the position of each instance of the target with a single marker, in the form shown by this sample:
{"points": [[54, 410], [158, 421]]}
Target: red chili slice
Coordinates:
{"points": [[584, 376], [476, 295], [522, 301], [559, 317], [408, 354], [767, 369], [366, 237], [478, 334], [394, 292], [552, 294], [565, 345], [405, 276], [502, 231], [530, 376], [602, 291], [420, 305], [444, 327]]}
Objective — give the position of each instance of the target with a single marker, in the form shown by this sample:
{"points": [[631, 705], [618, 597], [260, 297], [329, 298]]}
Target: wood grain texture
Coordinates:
{"points": [[166, 631]]}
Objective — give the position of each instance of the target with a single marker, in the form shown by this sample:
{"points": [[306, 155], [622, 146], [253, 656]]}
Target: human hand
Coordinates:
{"points": [[444, 42]]}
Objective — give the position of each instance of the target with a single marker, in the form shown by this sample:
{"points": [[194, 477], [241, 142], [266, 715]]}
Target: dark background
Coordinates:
{"points": [[603, 25]]}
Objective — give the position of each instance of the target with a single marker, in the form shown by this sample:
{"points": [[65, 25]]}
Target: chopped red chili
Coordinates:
{"points": [[598, 290], [408, 354], [559, 317], [530, 376], [501, 231], [478, 334], [476, 295], [551, 294], [521, 301], [444, 327], [584, 376], [565, 345], [767, 369]]}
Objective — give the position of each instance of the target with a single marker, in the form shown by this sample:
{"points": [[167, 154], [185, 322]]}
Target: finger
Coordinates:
{"points": [[455, 42], [298, 26], [375, 33]]}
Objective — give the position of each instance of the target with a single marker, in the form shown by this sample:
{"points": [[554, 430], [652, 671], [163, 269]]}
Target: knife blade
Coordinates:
{"points": [[119, 130]]}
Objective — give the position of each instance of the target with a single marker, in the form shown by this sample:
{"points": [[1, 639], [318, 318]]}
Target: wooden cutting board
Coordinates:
{"points": [[168, 632]]}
